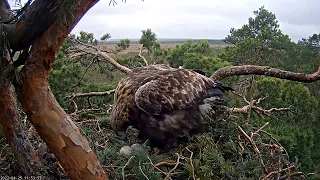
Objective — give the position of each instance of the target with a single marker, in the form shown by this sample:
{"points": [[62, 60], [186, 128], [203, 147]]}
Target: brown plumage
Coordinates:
{"points": [[165, 104]]}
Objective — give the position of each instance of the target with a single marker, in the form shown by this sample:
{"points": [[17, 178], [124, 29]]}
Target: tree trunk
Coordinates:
{"points": [[51, 122], [13, 129], [16, 136]]}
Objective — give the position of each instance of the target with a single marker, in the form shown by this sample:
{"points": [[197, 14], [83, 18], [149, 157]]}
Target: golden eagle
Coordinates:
{"points": [[165, 104]]}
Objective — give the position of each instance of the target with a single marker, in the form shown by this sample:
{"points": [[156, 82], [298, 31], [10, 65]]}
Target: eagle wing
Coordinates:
{"points": [[173, 90]]}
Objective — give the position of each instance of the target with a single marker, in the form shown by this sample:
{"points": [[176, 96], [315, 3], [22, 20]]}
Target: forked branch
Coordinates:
{"points": [[97, 52], [254, 105]]}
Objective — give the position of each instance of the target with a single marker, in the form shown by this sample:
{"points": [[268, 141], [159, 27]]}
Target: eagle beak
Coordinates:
{"points": [[121, 135]]}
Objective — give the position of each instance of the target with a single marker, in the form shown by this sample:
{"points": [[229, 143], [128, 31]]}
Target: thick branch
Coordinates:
{"points": [[5, 10], [37, 19], [54, 126], [16, 135], [225, 72], [12, 127]]}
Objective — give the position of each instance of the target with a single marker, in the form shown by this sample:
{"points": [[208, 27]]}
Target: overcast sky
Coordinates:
{"points": [[197, 19]]}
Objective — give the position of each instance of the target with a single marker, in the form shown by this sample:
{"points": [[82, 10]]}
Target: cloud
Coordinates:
{"points": [[196, 19]]}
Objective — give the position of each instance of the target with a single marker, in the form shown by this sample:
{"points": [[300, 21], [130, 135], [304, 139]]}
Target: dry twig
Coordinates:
{"points": [[143, 172], [174, 168], [255, 106], [255, 148], [191, 163], [97, 52], [156, 166], [123, 176], [90, 94], [142, 57], [277, 172]]}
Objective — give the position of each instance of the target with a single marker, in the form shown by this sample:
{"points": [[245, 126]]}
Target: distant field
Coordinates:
{"points": [[134, 47], [172, 41]]}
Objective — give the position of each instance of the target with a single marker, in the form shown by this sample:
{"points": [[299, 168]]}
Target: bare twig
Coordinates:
{"points": [[98, 52], [174, 168], [257, 131], [99, 145], [228, 71], [142, 57], [276, 141], [292, 175], [90, 94], [75, 107], [255, 148], [276, 172], [191, 163], [156, 166], [143, 172], [255, 106], [123, 176], [109, 109], [86, 70]]}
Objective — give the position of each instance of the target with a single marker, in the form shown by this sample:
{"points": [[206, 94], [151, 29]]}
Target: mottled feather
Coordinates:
{"points": [[164, 103]]}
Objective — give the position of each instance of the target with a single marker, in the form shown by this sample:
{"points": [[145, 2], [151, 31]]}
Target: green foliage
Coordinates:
{"points": [[259, 42], [175, 56], [193, 55], [309, 53], [86, 37], [89, 38], [295, 129], [123, 44], [205, 63], [63, 79], [105, 37], [131, 61], [149, 40]]}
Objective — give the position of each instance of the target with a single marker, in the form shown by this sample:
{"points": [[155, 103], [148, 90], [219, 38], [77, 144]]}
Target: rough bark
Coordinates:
{"points": [[16, 136], [4, 10], [13, 130], [228, 71], [37, 19], [51, 122]]}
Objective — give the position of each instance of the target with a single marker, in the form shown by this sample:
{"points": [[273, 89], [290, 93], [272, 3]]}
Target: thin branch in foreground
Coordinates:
{"points": [[228, 71]]}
